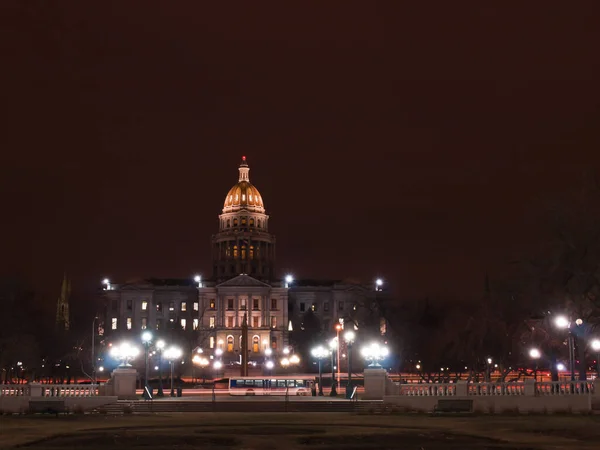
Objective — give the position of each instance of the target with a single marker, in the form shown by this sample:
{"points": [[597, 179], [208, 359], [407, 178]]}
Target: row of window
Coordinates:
{"points": [[255, 347], [243, 222], [196, 306], [314, 306], [230, 323]]}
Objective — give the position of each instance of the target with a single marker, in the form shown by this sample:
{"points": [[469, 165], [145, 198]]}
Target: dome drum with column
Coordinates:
{"points": [[243, 244]]}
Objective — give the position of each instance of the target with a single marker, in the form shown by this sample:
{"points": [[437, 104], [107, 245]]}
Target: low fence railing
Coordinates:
{"points": [[70, 390], [427, 390], [14, 390], [496, 389], [565, 388], [48, 390], [530, 388]]}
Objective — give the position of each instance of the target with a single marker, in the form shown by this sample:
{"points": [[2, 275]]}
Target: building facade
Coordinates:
{"points": [[209, 313]]}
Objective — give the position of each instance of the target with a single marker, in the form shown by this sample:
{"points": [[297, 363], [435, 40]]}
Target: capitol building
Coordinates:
{"points": [[209, 312]]}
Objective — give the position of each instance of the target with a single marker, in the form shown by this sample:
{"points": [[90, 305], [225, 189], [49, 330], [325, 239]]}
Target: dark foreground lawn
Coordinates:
{"points": [[316, 431]]}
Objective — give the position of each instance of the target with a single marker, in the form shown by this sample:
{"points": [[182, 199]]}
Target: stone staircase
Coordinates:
{"points": [[146, 407]]}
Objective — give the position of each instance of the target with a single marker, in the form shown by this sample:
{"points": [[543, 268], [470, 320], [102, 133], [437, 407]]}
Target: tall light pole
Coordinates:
{"points": [[333, 346], [319, 353], [338, 328], [565, 324], [94, 350], [160, 345], [596, 347], [349, 337], [535, 354], [146, 340], [375, 353], [172, 354]]}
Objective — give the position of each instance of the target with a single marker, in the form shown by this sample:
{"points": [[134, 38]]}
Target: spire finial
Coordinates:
{"points": [[244, 169]]}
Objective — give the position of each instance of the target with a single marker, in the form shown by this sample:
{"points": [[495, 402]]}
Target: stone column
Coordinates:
{"points": [[123, 382], [375, 380], [529, 388]]}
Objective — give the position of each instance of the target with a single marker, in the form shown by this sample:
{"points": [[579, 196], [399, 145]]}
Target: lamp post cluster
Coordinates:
{"points": [[125, 352], [373, 353], [564, 323]]}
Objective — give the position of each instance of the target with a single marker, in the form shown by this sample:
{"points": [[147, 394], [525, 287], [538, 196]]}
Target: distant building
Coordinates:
{"points": [[209, 313]]}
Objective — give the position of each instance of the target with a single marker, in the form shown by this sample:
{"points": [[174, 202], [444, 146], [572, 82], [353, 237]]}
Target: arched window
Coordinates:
{"points": [[235, 251], [235, 222], [243, 221], [255, 344], [230, 343], [252, 252], [251, 221], [243, 252], [273, 342], [259, 223], [228, 223]]}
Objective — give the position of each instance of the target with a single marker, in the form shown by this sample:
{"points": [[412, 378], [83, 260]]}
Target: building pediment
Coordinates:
{"points": [[243, 281]]}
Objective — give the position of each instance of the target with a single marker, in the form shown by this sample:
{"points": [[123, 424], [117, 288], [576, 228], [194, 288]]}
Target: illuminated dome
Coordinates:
{"points": [[243, 195]]}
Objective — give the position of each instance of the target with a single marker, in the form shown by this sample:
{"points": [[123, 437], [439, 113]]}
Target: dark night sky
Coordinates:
{"points": [[414, 142]]}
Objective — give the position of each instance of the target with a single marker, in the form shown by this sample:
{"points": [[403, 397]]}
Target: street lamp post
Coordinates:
{"points": [[146, 340], [319, 353], [333, 345], [565, 324], [94, 350], [125, 353], [596, 347], [172, 354], [349, 337], [160, 345], [375, 353], [535, 354]]}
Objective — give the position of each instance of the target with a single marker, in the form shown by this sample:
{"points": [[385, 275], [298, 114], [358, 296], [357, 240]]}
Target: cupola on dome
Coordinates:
{"points": [[243, 195]]}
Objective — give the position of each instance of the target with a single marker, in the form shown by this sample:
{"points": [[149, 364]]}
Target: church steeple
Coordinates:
{"points": [[62, 306]]}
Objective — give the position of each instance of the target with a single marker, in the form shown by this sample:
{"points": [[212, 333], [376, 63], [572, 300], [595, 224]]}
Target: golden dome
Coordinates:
{"points": [[243, 195]]}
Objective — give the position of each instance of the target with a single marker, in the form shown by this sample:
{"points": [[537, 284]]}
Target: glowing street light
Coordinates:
{"points": [[198, 279], [375, 353], [561, 367], [146, 340], [349, 337], [561, 322], [125, 353], [564, 323], [172, 354], [286, 351], [269, 365], [320, 353], [289, 279], [378, 284], [595, 344], [295, 359], [106, 283], [535, 354], [268, 351], [285, 362]]}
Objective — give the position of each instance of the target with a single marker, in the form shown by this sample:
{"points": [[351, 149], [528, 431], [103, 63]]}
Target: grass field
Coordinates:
{"points": [[313, 431]]}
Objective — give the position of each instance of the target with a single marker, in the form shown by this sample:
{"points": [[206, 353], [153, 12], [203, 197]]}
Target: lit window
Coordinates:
{"points": [[314, 307], [235, 251], [211, 322], [252, 252], [235, 222], [196, 306], [159, 307], [129, 323], [251, 221], [273, 321], [230, 197], [230, 322], [230, 343], [144, 306], [236, 197], [243, 197], [212, 303], [242, 303], [183, 324], [114, 323], [255, 322], [183, 306], [195, 324], [144, 323], [172, 306], [250, 197], [211, 342], [290, 326], [255, 344]]}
